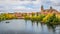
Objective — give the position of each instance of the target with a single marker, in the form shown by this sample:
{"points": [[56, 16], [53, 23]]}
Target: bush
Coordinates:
{"points": [[53, 20], [46, 18], [26, 17]]}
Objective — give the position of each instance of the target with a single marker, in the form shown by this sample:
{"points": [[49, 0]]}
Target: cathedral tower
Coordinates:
{"points": [[42, 8], [51, 7]]}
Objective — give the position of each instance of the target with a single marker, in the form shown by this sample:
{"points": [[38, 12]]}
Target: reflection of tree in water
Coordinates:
{"points": [[42, 26], [32, 22], [25, 22], [51, 28], [35, 22]]}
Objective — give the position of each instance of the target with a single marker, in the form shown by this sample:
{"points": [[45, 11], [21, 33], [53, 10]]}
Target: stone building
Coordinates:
{"points": [[46, 11]]}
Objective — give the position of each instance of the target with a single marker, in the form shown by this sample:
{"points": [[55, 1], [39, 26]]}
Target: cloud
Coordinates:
{"points": [[19, 6], [24, 9], [27, 5], [55, 2]]}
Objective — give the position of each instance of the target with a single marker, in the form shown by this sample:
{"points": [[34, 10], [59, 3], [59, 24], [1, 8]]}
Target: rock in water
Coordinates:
{"points": [[7, 22]]}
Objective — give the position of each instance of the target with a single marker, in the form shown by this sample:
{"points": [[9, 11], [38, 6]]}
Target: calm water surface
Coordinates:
{"points": [[20, 26]]}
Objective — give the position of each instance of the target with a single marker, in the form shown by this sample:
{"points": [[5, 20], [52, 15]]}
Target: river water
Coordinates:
{"points": [[20, 26]]}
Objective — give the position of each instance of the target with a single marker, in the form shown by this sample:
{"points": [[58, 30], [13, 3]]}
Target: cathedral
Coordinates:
{"points": [[46, 11]]}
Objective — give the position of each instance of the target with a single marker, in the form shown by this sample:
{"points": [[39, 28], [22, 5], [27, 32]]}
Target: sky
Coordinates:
{"points": [[27, 5]]}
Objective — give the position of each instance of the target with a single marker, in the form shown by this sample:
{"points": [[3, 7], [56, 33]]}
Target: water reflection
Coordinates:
{"points": [[21, 26], [50, 27]]}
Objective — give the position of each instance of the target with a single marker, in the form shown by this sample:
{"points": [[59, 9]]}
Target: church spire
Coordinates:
{"points": [[42, 8], [51, 7]]}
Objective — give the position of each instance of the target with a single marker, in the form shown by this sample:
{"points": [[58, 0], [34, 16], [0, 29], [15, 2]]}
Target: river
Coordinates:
{"points": [[20, 26]]}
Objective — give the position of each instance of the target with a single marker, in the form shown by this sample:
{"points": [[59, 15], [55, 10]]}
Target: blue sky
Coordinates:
{"points": [[27, 5]]}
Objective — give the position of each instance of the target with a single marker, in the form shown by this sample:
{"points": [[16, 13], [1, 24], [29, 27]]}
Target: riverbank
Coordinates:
{"points": [[50, 18]]}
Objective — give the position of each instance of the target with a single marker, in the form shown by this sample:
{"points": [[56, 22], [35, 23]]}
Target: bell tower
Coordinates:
{"points": [[42, 8], [51, 7]]}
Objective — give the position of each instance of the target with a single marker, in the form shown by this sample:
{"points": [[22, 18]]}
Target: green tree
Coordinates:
{"points": [[52, 20]]}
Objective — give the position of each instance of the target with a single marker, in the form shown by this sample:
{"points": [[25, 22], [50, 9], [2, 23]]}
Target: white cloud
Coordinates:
{"points": [[24, 9], [18, 2], [25, 5], [55, 2]]}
